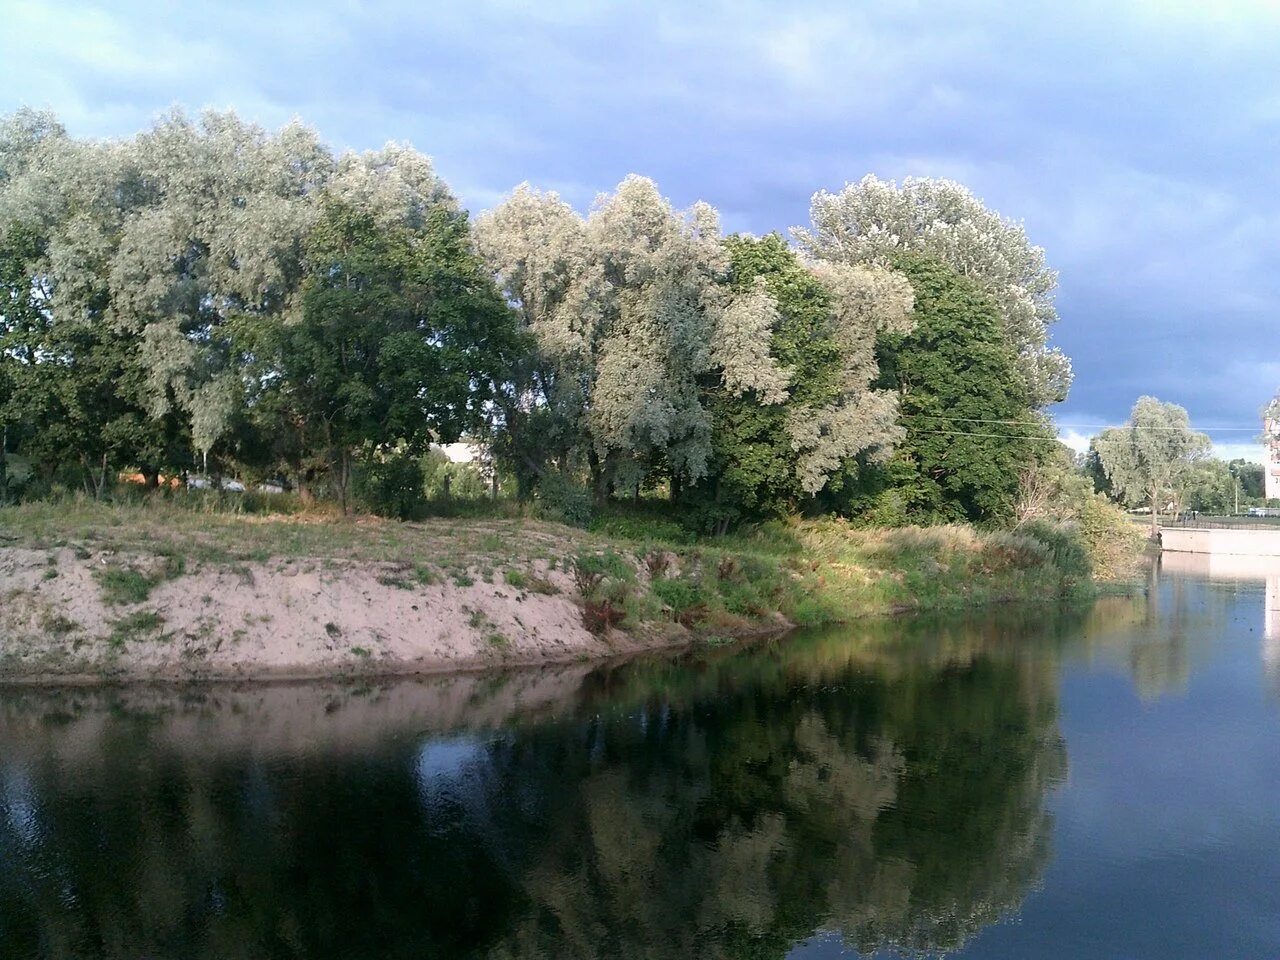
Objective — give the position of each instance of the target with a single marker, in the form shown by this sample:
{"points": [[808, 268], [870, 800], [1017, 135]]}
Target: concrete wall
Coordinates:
{"points": [[1248, 543]]}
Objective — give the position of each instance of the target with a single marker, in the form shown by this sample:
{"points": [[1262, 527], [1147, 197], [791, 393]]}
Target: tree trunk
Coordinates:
{"points": [[1155, 515], [599, 485], [344, 478]]}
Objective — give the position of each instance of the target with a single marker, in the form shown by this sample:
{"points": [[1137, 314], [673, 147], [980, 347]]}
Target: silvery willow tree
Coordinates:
{"points": [[874, 220], [140, 253], [627, 313], [780, 441], [190, 291], [1149, 458], [662, 351]]}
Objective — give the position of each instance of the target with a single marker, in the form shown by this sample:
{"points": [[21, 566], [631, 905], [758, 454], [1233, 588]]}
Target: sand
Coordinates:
{"points": [[286, 618]]}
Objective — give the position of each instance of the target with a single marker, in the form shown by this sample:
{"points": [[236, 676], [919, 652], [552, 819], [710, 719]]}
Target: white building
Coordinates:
{"points": [[1271, 431]]}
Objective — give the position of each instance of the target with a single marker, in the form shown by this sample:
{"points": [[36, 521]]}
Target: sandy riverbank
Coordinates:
{"points": [[289, 618], [104, 592]]}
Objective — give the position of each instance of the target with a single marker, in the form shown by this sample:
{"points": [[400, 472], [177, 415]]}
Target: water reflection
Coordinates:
{"points": [[1241, 572], [889, 788]]}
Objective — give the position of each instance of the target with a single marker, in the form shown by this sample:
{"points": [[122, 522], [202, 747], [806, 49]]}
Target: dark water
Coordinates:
{"points": [[1098, 783]]}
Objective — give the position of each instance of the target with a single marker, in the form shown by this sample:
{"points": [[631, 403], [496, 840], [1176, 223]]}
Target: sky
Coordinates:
{"points": [[1136, 141]]}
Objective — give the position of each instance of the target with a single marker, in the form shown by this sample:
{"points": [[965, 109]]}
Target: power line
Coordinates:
{"points": [[1076, 426], [994, 436]]}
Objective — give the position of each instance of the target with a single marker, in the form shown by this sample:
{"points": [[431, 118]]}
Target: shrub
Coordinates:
{"points": [[1065, 549], [590, 570], [1113, 543], [677, 594], [390, 485], [564, 501], [643, 529]]}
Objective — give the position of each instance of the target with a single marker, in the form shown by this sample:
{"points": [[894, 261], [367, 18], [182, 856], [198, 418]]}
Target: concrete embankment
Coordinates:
{"points": [[1233, 541]]}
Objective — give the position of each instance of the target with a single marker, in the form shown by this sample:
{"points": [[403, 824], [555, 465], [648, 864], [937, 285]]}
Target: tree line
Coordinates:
{"points": [[209, 297]]}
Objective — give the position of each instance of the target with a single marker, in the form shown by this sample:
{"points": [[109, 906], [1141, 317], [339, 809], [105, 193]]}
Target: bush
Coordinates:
{"points": [[642, 529], [677, 594], [1065, 549], [390, 485], [591, 570], [1114, 544], [564, 501]]}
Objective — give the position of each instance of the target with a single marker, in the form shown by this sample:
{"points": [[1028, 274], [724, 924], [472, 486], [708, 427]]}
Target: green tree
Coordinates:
{"points": [[1250, 477], [400, 340], [1208, 487], [874, 221], [970, 430], [1150, 458], [773, 449]]}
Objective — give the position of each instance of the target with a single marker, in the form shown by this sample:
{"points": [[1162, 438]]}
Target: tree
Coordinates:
{"points": [[970, 430], [400, 340], [1208, 487], [1150, 457], [1250, 477], [628, 314], [775, 446], [873, 221], [146, 251]]}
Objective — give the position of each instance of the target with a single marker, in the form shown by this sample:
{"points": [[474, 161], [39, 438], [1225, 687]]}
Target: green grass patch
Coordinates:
{"points": [[124, 585], [135, 626]]}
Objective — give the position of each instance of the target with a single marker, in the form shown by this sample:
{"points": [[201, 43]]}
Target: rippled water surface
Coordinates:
{"points": [[1094, 783]]}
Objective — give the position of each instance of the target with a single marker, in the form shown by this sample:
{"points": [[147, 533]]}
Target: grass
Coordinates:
{"points": [[124, 585], [134, 626], [629, 572]]}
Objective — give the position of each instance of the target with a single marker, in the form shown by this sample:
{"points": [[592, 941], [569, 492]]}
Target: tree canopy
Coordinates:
{"points": [[211, 296], [1150, 457], [874, 221]]}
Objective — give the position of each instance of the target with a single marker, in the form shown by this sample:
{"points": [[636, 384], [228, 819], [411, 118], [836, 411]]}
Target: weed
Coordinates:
{"points": [[517, 578], [590, 570], [57, 625], [332, 629], [134, 626], [124, 585], [363, 652], [542, 585], [657, 563], [463, 579]]}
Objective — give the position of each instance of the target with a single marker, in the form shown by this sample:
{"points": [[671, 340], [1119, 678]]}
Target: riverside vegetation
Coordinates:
{"points": [[676, 431], [183, 589]]}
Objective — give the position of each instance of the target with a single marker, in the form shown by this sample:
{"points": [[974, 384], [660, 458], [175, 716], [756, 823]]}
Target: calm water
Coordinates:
{"points": [[1101, 783]]}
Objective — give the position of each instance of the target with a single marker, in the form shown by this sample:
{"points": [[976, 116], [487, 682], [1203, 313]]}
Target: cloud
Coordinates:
{"points": [[1136, 141]]}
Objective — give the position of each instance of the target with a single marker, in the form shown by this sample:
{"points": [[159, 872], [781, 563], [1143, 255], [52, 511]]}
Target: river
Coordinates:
{"points": [[1098, 782]]}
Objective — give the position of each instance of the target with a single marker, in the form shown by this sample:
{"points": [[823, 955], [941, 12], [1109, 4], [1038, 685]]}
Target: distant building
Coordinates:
{"points": [[1271, 436]]}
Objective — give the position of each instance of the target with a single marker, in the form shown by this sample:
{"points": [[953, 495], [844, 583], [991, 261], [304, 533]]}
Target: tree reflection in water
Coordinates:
{"points": [[889, 786]]}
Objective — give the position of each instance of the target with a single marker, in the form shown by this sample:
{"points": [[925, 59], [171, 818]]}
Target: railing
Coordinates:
{"points": [[1239, 522]]}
